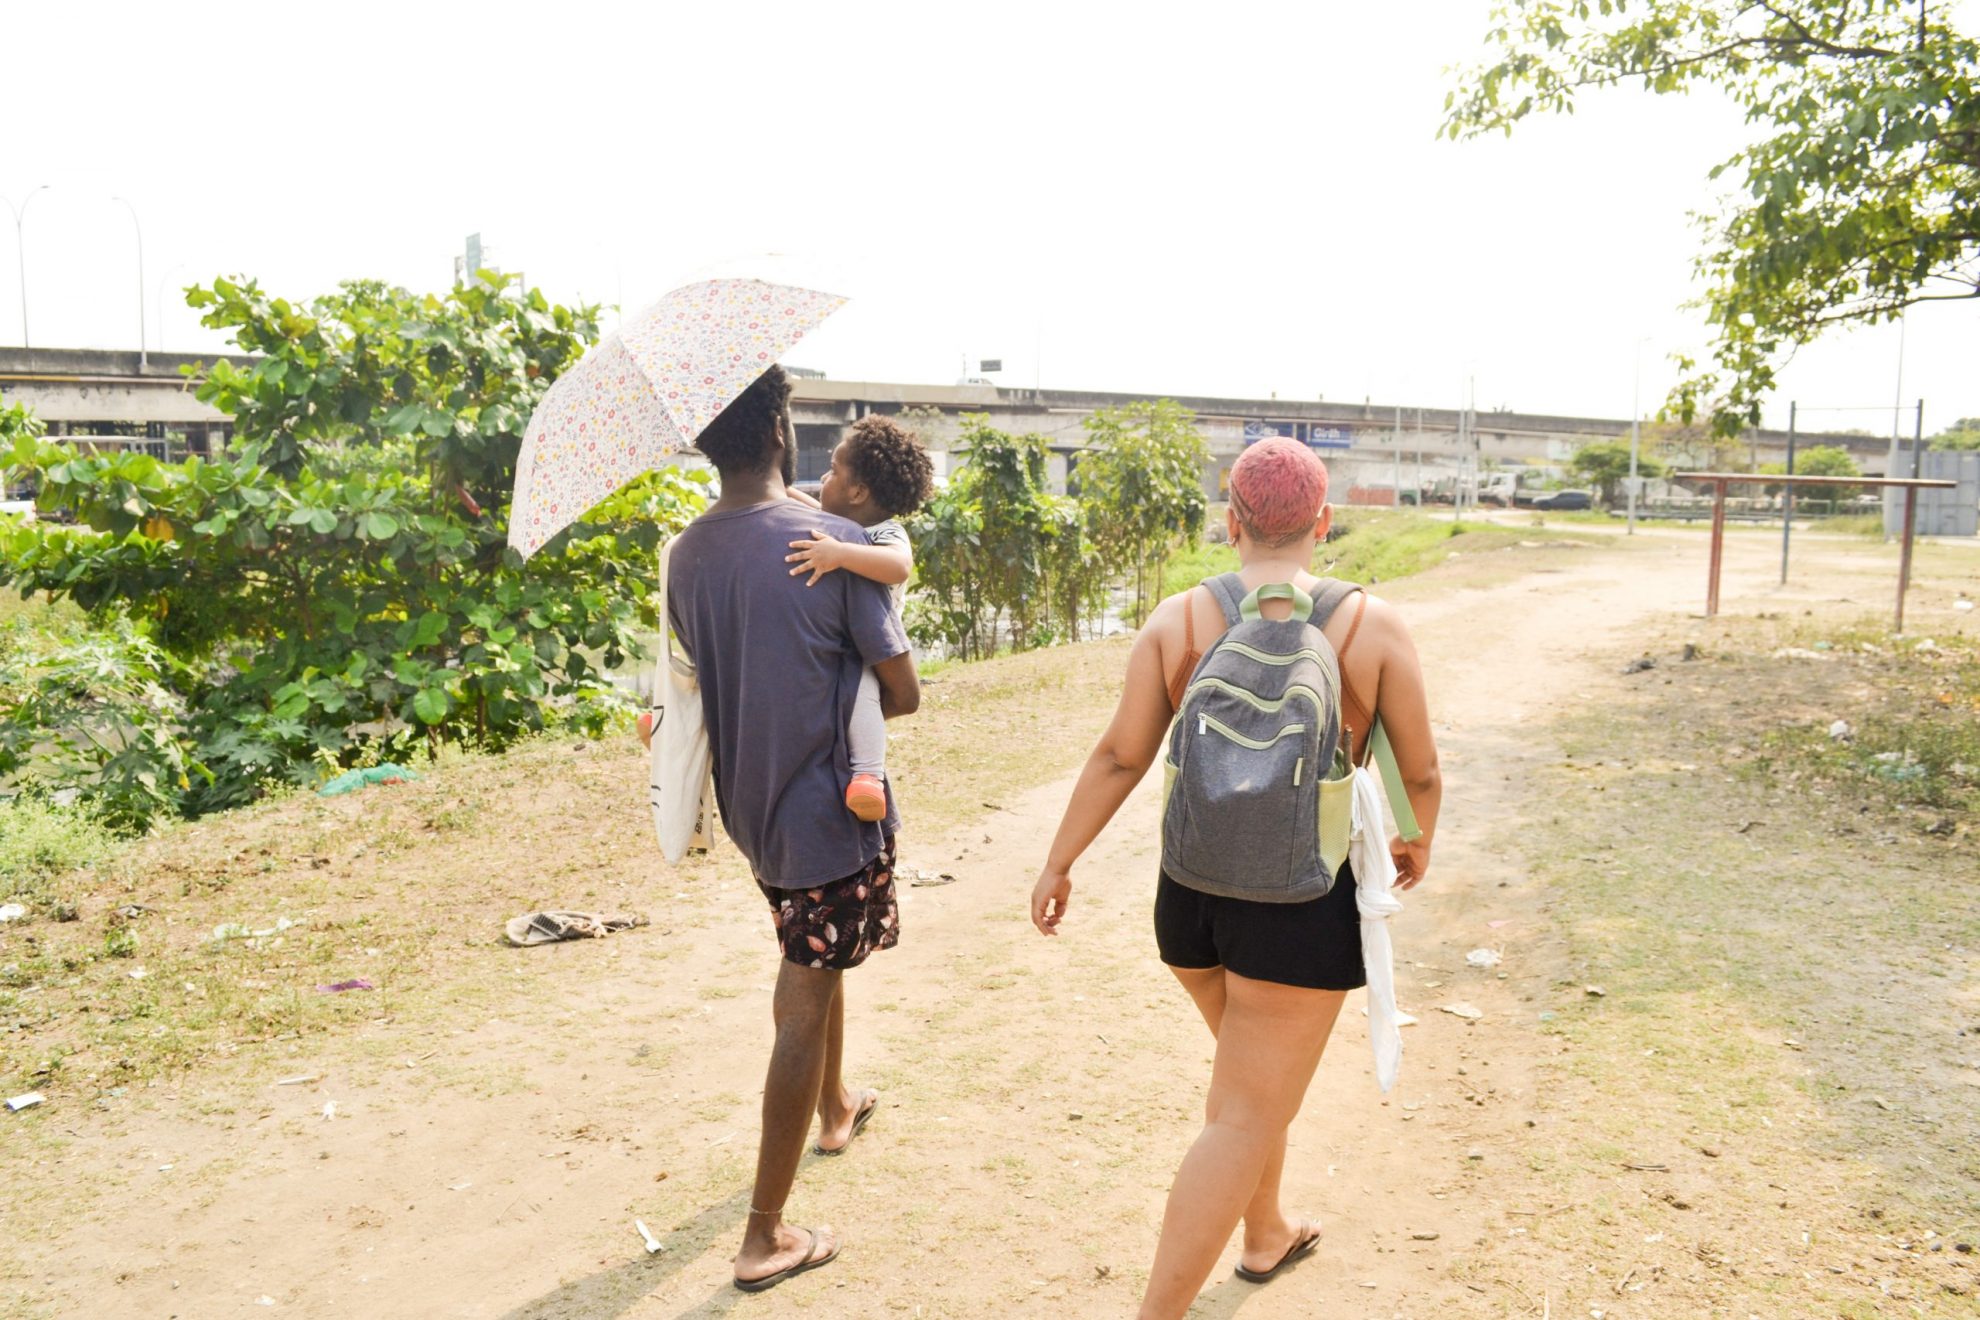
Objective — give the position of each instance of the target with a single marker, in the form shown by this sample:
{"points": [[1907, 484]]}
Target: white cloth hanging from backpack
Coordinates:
{"points": [[1374, 896]]}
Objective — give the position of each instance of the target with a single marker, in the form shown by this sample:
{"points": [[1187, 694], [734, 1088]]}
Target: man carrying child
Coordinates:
{"points": [[781, 663]]}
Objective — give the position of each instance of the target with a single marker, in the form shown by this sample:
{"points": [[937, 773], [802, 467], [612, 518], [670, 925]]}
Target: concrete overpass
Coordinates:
{"points": [[81, 392], [1364, 444], [87, 392]]}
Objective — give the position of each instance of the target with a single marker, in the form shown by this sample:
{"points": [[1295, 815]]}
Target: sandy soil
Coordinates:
{"points": [[1037, 1094]]}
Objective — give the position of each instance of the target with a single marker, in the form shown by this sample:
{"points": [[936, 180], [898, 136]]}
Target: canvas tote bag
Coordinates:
{"points": [[682, 762]]}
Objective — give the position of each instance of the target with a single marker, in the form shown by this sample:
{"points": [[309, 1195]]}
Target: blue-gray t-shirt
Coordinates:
{"points": [[779, 664]]}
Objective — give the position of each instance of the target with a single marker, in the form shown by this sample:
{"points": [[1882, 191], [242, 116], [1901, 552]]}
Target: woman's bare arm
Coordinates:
{"points": [[1403, 706], [1125, 751]]}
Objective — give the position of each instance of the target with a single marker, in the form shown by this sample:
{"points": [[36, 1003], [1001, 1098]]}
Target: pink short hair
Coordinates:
{"points": [[1278, 488]]}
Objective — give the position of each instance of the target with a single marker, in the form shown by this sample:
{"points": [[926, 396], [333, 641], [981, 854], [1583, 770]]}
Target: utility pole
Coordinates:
{"points": [[1787, 496], [1635, 428], [1395, 447]]}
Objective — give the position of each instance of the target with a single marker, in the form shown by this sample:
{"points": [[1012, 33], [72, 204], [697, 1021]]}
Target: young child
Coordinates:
{"points": [[879, 474]]}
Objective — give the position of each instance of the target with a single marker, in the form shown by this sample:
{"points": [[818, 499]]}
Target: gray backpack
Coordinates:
{"points": [[1259, 791]]}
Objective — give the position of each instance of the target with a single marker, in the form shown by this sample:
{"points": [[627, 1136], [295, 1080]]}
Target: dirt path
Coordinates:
{"points": [[1038, 1094]]}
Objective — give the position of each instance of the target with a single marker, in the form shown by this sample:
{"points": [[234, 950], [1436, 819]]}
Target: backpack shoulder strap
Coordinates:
{"points": [[1328, 597], [1229, 591]]}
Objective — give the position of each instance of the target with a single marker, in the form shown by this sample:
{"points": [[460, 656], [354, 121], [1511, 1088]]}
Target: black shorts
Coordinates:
{"points": [[837, 925], [1315, 945]]}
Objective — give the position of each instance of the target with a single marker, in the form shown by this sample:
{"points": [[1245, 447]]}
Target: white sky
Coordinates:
{"points": [[1231, 199]]}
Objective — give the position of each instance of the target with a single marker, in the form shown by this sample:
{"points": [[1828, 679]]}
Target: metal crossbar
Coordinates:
{"points": [[1720, 480]]}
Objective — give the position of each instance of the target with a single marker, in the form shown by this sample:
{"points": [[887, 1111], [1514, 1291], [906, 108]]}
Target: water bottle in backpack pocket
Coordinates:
{"points": [[1258, 789]]}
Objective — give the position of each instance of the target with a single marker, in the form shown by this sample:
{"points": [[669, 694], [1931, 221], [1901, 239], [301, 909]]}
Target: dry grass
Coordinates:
{"points": [[1785, 1043]]}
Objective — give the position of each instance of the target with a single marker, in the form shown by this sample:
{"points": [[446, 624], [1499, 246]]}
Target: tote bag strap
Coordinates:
{"points": [[1384, 756], [667, 662]]}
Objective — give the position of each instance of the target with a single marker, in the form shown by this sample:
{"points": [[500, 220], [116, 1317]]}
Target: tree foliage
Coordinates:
{"points": [[999, 556], [1141, 484], [339, 585], [1962, 434], [1605, 464], [1861, 192], [1819, 461], [995, 550]]}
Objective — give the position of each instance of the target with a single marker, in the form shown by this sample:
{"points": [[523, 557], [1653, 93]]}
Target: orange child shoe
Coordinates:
{"points": [[646, 728], [866, 797]]}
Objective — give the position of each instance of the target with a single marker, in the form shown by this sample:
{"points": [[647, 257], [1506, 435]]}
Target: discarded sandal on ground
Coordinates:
{"points": [[1303, 1245], [551, 927], [867, 1104], [812, 1260]]}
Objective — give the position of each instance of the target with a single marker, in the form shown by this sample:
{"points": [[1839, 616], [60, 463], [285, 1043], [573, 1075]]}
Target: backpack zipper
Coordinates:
{"points": [[1268, 658], [1205, 723], [1255, 702]]}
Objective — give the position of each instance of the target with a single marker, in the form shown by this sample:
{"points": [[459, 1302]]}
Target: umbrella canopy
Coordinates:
{"points": [[647, 391]]}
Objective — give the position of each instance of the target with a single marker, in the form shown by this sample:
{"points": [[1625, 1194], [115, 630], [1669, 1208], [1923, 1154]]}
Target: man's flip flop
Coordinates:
{"points": [[811, 1261], [867, 1105], [1303, 1245]]}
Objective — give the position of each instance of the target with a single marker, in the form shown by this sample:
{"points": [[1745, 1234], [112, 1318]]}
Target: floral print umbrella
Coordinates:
{"points": [[647, 391]]}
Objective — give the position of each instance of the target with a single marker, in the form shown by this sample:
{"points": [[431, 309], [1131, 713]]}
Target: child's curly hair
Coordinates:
{"points": [[885, 457]]}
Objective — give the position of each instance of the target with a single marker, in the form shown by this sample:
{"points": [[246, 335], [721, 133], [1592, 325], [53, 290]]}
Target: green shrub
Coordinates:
{"points": [[41, 841]]}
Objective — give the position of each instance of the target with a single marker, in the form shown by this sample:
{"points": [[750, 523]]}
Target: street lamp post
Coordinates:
{"points": [[143, 356], [1635, 427], [20, 257]]}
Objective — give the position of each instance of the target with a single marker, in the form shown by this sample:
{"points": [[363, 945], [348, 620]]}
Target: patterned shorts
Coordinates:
{"points": [[837, 925]]}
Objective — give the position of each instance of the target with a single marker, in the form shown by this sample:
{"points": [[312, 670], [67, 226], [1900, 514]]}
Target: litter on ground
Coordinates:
{"points": [[353, 780], [28, 1101], [552, 927], [1482, 958]]}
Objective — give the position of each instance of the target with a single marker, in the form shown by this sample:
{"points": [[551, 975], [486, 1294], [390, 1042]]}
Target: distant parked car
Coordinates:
{"points": [[1565, 500]]}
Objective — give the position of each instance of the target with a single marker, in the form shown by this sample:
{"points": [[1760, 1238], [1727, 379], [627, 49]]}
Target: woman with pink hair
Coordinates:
{"points": [[1268, 977]]}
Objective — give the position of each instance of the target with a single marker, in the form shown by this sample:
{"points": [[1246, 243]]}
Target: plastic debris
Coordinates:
{"points": [[234, 930], [1469, 1012], [653, 1245], [338, 987], [1800, 653], [301, 1080], [28, 1101], [923, 879], [12, 911], [353, 780], [1594, 991], [329, 1110], [1962, 605], [1839, 730], [1482, 958]]}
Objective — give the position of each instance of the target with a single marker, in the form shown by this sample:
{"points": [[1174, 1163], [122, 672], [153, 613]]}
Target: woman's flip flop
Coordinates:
{"points": [[1303, 1245], [812, 1260], [867, 1104]]}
